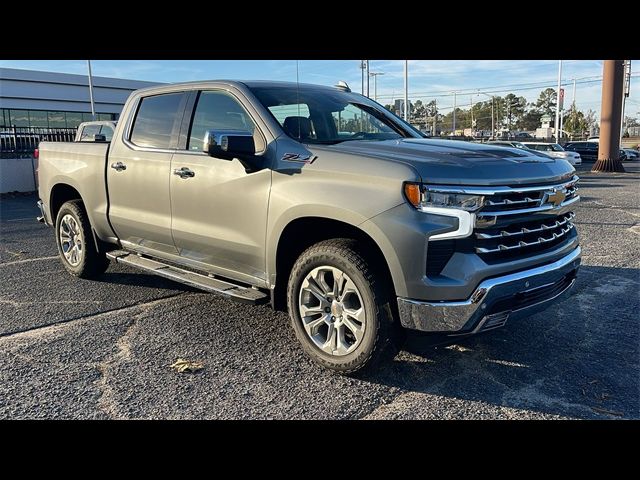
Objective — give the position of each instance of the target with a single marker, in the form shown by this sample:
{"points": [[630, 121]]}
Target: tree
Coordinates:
{"points": [[515, 108], [631, 122], [546, 103], [575, 123], [530, 120]]}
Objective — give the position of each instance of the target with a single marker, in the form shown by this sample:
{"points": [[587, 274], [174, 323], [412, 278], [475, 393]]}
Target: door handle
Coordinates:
{"points": [[118, 166], [184, 172]]}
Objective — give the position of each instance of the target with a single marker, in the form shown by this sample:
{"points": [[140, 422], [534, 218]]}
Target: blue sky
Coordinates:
{"points": [[429, 79]]}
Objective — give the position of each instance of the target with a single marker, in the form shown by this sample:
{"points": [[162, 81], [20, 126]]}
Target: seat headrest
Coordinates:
{"points": [[298, 127]]}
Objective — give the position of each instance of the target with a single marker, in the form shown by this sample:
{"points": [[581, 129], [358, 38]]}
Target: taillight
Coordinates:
{"points": [[36, 153]]}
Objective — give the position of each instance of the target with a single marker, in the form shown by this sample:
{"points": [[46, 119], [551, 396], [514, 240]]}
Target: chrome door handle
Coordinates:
{"points": [[118, 166], [184, 172]]}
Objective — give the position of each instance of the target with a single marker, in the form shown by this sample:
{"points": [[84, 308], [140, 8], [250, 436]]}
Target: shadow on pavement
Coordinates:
{"points": [[577, 356]]}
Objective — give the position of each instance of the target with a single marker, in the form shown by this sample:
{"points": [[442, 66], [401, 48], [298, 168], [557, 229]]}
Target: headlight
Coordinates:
{"points": [[420, 197]]}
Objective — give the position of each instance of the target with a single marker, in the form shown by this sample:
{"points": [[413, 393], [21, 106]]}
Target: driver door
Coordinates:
{"points": [[219, 212]]}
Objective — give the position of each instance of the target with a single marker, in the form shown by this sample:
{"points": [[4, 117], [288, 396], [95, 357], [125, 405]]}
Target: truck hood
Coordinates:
{"points": [[454, 162]]}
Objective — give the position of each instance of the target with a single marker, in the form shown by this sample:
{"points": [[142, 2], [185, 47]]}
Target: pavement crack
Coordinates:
{"points": [[27, 260]]}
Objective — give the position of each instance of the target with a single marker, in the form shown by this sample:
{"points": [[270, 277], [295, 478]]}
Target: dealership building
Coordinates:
{"points": [[30, 98], [37, 102]]}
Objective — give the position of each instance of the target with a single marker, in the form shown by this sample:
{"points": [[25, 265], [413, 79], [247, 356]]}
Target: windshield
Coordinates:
{"points": [[315, 115], [556, 148]]}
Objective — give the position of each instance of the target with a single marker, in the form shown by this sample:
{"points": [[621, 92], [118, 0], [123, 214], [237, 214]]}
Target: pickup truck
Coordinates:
{"points": [[320, 201]]}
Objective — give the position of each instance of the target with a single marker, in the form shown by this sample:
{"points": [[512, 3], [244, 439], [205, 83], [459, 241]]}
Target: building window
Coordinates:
{"points": [[38, 118], [46, 119], [57, 120], [74, 119], [19, 118]]}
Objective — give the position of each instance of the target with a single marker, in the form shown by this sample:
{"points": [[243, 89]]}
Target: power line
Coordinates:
{"points": [[499, 89]]}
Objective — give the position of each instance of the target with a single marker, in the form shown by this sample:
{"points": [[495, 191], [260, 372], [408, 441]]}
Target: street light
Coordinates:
{"points": [[375, 83], [493, 128]]}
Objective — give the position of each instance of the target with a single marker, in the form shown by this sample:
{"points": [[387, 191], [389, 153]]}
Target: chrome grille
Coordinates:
{"points": [[508, 201], [525, 236]]}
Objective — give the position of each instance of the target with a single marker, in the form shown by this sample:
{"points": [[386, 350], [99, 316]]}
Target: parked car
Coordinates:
{"points": [[594, 139], [556, 151], [631, 154], [250, 190], [523, 136], [88, 130], [589, 150]]}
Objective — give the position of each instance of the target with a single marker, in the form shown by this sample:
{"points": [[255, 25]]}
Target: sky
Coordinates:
{"points": [[428, 79]]}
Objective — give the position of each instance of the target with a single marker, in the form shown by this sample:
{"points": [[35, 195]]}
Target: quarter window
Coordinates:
{"points": [[217, 110], [155, 119]]}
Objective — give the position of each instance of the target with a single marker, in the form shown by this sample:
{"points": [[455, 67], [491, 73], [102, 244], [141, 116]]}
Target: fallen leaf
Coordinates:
{"points": [[182, 366], [608, 412]]}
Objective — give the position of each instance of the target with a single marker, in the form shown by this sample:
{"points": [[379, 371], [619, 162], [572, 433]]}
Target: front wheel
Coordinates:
{"points": [[76, 247], [340, 307]]}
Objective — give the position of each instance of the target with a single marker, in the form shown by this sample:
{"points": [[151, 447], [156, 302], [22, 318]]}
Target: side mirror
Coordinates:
{"points": [[98, 137], [229, 144]]}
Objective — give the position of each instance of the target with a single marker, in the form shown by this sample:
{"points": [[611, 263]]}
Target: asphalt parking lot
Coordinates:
{"points": [[72, 348]]}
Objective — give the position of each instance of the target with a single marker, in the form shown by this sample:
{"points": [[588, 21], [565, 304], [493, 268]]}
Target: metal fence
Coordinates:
{"points": [[18, 142]]}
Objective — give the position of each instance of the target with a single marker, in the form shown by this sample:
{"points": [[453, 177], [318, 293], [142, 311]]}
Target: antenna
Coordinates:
{"points": [[298, 98], [342, 85]]}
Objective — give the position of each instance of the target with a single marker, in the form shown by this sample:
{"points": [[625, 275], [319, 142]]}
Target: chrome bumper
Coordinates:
{"points": [[495, 300]]}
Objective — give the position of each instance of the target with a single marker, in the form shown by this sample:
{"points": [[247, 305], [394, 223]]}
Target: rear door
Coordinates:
{"points": [[219, 212], [139, 170]]}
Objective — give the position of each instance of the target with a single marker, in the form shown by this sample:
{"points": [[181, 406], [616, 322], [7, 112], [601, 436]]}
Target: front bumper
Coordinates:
{"points": [[495, 300]]}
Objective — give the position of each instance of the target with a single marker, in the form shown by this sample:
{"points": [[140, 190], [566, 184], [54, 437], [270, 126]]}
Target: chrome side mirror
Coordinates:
{"points": [[229, 144]]}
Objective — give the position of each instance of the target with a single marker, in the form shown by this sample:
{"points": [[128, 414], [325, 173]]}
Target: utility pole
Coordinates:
{"points": [[493, 125], [573, 97], [362, 67], [375, 83], [367, 75], [406, 91], [627, 86], [435, 117], [609, 144], [454, 113], [93, 108], [557, 124]]}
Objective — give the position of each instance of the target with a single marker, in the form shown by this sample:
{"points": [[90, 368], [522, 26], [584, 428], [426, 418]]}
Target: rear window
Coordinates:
{"points": [[107, 131], [155, 119], [88, 132]]}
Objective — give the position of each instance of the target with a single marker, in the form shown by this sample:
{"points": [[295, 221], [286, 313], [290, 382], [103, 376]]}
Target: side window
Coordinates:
{"points": [[107, 131], [155, 119], [88, 132], [217, 110]]}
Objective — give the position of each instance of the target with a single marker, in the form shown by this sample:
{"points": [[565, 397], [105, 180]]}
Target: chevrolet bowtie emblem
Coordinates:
{"points": [[556, 196]]}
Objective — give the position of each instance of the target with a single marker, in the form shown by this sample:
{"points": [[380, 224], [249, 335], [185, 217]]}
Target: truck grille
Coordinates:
{"points": [[524, 237], [513, 223]]}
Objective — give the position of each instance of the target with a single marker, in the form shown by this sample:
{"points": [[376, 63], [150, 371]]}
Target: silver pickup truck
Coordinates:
{"points": [[318, 200]]}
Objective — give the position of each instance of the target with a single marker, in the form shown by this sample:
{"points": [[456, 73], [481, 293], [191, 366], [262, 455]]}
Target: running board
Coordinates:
{"points": [[197, 280]]}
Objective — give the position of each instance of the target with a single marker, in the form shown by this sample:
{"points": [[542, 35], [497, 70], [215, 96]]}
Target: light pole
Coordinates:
{"points": [[375, 83], [93, 108], [493, 125], [454, 113], [406, 91], [557, 124]]}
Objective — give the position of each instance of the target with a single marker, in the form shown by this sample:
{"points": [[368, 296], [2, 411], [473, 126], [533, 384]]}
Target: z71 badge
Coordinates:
{"points": [[297, 158]]}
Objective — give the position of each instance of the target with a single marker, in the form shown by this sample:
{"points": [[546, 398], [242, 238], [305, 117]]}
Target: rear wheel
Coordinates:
{"points": [[76, 247], [340, 308]]}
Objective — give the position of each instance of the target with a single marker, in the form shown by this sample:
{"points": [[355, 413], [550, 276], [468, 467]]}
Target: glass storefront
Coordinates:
{"points": [[48, 119]]}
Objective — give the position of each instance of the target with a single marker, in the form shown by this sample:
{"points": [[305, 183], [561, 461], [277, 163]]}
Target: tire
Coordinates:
{"points": [[381, 335], [73, 228]]}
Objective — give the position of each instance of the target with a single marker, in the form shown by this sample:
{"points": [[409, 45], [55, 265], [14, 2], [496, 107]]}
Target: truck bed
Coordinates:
{"points": [[81, 166]]}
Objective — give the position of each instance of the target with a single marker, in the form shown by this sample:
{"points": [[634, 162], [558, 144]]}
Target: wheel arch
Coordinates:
{"points": [[302, 232]]}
